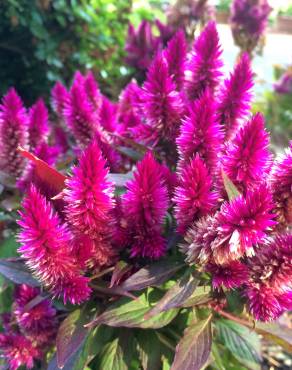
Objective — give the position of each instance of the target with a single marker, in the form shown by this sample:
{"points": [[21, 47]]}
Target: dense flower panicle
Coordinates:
{"points": [[145, 204], [60, 139], [229, 276], [247, 158], [130, 98], [243, 223], [200, 132], [108, 116], [194, 196], [79, 115], [18, 351], [92, 91], [90, 201], [280, 180], [59, 97], [203, 70], [163, 107], [46, 248], [284, 84], [166, 32], [141, 45], [13, 132], [235, 96], [38, 322], [175, 54], [38, 127]]}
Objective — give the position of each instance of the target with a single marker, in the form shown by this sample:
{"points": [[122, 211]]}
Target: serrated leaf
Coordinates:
{"points": [[230, 188], [153, 275], [72, 334], [17, 272], [193, 350], [276, 333], [130, 313], [175, 296], [241, 341]]}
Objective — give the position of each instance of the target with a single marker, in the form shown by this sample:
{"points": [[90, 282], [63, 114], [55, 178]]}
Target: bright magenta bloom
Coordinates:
{"points": [[231, 276], [281, 183], [13, 132], [46, 247], [243, 223], [162, 104], [176, 54], [92, 91], [194, 197], [59, 97], [38, 126], [247, 159], [200, 132], [203, 70], [145, 204], [18, 351], [90, 202], [235, 96]]}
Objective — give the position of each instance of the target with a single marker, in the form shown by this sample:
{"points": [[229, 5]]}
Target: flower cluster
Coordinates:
{"points": [[177, 158]]}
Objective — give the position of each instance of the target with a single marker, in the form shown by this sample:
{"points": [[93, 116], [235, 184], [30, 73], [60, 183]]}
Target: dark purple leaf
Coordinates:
{"points": [[121, 268], [153, 275], [193, 350], [17, 272]]}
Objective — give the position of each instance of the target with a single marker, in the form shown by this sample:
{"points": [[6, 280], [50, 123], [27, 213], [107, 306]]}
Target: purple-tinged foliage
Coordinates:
{"points": [[203, 69], [38, 126], [13, 133], [235, 96]]}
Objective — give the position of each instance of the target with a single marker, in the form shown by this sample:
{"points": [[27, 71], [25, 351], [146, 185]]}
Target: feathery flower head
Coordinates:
{"points": [[79, 115], [284, 84], [38, 127], [194, 197], [130, 98], [166, 31], [280, 180], [59, 97], [46, 247], [13, 132], [90, 202], [92, 91], [175, 54], [203, 70], [243, 223], [163, 107], [235, 95], [247, 158], [231, 276], [108, 116], [18, 351], [146, 203], [200, 132]]}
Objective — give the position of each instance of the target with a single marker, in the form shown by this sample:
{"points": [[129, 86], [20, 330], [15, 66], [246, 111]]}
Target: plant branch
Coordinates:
{"points": [[236, 319]]}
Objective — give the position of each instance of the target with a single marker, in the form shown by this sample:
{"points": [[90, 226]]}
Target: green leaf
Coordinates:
{"points": [[149, 349], [230, 188], [131, 313], [193, 350], [8, 248], [276, 333], [17, 272], [217, 357], [241, 341], [153, 275], [175, 296], [201, 295]]}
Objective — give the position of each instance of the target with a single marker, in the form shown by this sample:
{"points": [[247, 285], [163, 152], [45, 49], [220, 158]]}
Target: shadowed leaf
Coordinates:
{"points": [[17, 272]]}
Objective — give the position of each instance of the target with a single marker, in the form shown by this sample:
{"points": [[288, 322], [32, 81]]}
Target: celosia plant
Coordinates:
{"points": [[164, 214]]}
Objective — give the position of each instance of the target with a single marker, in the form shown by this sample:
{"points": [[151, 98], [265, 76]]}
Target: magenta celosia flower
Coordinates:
{"points": [[92, 91], [130, 98], [203, 70], [18, 351], [246, 160], [235, 96], [13, 132], [59, 97], [230, 276], [89, 197], [166, 31], [194, 197], [243, 223], [60, 139], [281, 183], [141, 45], [200, 132], [108, 116], [265, 304], [284, 84], [175, 54], [38, 127], [145, 204], [46, 248], [79, 115], [162, 104], [38, 322]]}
